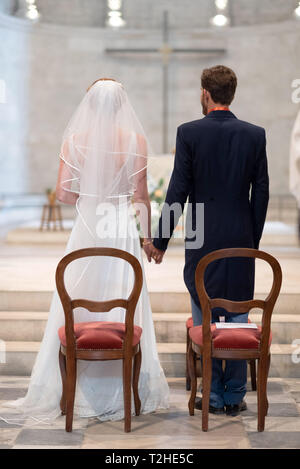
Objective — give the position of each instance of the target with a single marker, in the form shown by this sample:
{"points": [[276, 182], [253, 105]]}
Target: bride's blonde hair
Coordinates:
{"points": [[100, 79], [117, 99]]}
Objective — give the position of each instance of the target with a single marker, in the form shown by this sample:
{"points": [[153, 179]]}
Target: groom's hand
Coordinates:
{"points": [[157, 255]]}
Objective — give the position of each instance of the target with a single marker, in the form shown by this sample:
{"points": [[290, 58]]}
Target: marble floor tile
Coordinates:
{"points": [[275, 387], [273, 424], [251, 397], [44, 447], [55, 437], [295, 395], [287, 398], [292, 383], [60, 422], [166, 429], [203, 440], [278, 440], [165, 422], [9, 435], [278, 409]]}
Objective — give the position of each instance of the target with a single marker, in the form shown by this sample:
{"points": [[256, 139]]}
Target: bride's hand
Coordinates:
{"points": [[151, 252], [147, 246]]}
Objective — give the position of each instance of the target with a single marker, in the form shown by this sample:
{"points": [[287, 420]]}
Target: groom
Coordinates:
{"points": [[220, 162]]}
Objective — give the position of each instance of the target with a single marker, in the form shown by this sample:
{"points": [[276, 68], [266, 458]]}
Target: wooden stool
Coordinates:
{"points": [[51, 215]]}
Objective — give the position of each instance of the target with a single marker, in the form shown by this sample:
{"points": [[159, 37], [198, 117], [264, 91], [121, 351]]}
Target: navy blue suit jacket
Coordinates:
{"points": [[220, 161]]}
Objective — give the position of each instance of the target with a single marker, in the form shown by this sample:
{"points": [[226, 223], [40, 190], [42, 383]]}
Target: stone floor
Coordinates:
{"points": [[172, 429]]}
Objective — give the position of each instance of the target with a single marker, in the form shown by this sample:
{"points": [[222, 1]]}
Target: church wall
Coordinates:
{"points": [[48, 68], [73, 12], [145, 14], [195, 14], [8, 6]]}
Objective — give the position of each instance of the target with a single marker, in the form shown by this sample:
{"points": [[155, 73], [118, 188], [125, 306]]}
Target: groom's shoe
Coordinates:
{"points": [[212, 409], [234, 410]]}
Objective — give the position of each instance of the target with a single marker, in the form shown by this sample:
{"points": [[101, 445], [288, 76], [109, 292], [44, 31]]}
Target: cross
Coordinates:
{"points": [[166, 51]]}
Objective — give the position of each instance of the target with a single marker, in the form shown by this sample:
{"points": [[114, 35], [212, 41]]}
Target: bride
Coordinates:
{"points": [[103, 168]]}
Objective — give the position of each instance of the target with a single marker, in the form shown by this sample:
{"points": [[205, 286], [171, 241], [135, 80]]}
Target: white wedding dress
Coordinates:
{"points": [[104, 219]]}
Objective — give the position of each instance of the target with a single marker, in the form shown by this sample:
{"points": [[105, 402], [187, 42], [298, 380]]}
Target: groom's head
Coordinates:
{"points": [[218, 87]]}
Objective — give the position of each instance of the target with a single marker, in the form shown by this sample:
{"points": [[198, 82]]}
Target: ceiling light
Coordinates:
{"points": [[221, 4], [114, 15], [32, 13], [219, 20], [297, 11]]}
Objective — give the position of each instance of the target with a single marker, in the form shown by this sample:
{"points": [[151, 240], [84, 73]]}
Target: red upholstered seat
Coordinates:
{"points": [[242, 339], [189, 323], [100, 335]]}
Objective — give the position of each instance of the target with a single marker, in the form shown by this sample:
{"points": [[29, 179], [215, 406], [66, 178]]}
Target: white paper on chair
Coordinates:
{"points": [[236, 325]]}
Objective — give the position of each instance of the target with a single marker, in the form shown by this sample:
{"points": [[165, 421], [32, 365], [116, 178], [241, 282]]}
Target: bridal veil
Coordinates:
{"points": [[105, 151]]}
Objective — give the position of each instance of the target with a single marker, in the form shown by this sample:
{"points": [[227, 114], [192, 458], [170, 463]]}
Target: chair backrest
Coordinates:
{"points": [[129, 304], [238, 307]]}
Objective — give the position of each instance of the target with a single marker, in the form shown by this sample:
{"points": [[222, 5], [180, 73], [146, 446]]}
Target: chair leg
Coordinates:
{"points": [[135, 383], [262, 401], [187, 374], [43, 218], [70, 395], [267, 374], [127, 373], [62, 366], [252, 364], [200, 366], [206, 385], [193, 378]]}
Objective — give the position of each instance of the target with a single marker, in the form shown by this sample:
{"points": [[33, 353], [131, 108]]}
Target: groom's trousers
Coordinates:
{"points": [[228, 387]]}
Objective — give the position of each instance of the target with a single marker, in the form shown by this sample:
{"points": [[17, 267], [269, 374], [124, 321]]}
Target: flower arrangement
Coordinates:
{"points": [[157, 194]]}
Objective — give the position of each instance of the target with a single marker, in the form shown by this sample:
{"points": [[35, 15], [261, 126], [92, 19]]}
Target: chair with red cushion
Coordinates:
{"points": [[232, 344], [252, 364], [99, 340]]}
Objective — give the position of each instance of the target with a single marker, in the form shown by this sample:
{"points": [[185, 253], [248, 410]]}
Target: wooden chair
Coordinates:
{"points": [[232, 344], [101, 340], [252, 364]]}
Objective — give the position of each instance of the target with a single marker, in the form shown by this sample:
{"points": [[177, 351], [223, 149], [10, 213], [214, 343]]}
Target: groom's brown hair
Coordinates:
{"points": [[221, 82]]}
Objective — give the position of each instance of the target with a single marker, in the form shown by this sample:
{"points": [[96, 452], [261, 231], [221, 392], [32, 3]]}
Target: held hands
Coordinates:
{"points": [[152, 253]]}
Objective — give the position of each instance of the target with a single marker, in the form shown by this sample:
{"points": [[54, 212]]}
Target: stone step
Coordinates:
{"points": [[30, 235], [167, 302], [22, 325], [25, 300], [280, 234], [170, 302], [275, 233], [20, 357], [170, 327]]}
